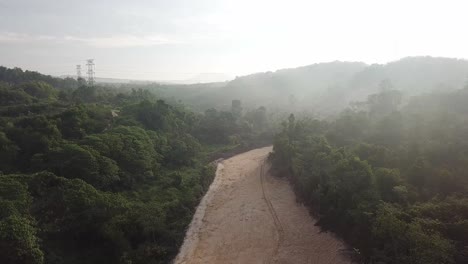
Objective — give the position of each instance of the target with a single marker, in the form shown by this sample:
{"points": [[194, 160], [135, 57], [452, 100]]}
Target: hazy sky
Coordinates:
{"points": [[216, 39]]}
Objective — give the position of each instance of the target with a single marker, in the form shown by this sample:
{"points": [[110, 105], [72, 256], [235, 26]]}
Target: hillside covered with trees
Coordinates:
{"points": [[389, 177], [113, 173], [92, 174], [324, 89]]}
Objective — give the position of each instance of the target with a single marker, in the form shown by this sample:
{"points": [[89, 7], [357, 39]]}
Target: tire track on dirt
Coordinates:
{"points": [[250, 216], [274, 215]]}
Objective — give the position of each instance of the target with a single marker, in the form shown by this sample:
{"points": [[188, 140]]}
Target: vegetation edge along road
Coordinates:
{"points": [[101, 174]]}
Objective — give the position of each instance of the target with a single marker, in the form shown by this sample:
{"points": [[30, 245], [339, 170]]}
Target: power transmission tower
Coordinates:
{"points": [[90, 64], [78, 72]]}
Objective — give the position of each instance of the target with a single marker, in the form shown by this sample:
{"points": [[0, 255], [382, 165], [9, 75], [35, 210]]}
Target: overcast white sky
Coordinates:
{"points": [[217, 39]]}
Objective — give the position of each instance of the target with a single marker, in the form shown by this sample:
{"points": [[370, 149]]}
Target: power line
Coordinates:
{"points": [[78, 72], [90, 64]]}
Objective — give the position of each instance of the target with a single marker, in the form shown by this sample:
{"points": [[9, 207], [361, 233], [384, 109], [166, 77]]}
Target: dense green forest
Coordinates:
{"points": [[92, 174], [389, 177], [113, 173]]}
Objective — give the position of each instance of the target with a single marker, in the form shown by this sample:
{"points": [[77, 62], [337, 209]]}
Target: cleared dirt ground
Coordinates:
{"points": [[248, 216]]}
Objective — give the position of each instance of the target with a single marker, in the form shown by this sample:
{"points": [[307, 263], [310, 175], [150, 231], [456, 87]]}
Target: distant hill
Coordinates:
{"points": [[413, 75], [198, 79], [323, 88], [17, 76], [327, 88]]}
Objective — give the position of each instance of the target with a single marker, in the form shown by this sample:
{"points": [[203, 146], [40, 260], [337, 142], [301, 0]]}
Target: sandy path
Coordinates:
{"points": [[248, 216]]}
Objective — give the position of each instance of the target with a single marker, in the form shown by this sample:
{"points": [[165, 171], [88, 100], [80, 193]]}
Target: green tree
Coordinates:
{"points": [[39, 90], [18, 241], [8, 153]]}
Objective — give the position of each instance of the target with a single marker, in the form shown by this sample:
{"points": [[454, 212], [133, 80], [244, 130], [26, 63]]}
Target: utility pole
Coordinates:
{"points": [[90, 64], [78, 72]]}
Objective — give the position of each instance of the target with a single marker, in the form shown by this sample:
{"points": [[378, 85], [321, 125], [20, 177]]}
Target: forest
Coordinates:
{"points": [[321, 89], [389, 177], [93, 174], [233, 131], [113, 173]]}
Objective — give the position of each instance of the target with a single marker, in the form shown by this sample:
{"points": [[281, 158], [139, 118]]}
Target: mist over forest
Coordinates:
{"points": [[324, 88], [221, 131], [113, 173]]}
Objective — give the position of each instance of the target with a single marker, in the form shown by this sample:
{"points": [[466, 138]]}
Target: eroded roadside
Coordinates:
{"points": [[248, 216]]}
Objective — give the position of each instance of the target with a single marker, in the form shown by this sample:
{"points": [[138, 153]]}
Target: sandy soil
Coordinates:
{"points": [[248, 216]]}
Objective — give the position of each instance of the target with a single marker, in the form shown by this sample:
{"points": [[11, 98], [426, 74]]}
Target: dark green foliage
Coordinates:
{"points": [[182, 150], [18, 234], [8, 153], [18, 76], [403, 242], [73, 161], [39, 90], [85, 94], [81, 120], [388, 181], [392, 182], [98, 175], [10, 96], [132, 148], [18, 241], [216, 126], [33, 135]]}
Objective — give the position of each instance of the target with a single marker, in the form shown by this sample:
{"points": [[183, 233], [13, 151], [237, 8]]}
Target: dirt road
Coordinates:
{"points": [[248, 216]]}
